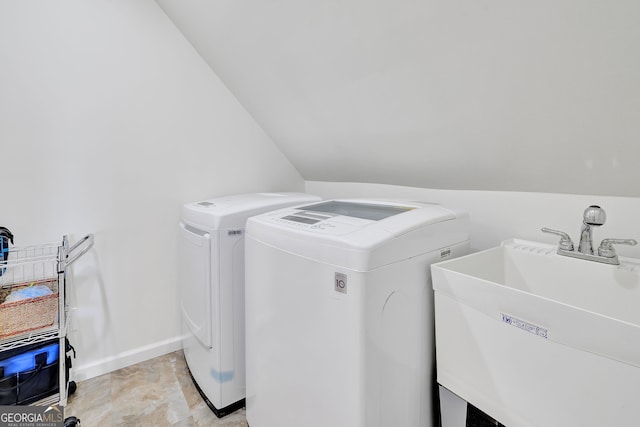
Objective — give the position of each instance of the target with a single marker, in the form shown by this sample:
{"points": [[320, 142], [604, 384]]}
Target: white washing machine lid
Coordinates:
{"points": [[361, 234], [358, 209], [233, 211]]}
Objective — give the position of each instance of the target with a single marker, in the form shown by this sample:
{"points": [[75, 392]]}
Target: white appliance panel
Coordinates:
{"points": [[194, 250], [317, 357], [231, 272], [297, 305], [339, 326]]}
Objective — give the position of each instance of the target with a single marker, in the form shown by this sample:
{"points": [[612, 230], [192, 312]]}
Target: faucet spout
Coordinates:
{"points": [[594, 216], [586, 240]]}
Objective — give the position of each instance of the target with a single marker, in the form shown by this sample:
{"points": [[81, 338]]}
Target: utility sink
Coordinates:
{"points": [[537, 339]]}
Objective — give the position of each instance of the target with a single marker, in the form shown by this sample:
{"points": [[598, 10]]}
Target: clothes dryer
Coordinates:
{"points": [[211, 289], [339, 312]]}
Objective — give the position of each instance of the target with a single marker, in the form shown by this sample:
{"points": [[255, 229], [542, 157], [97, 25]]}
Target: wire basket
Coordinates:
{"points": [[28, 266], [29, 314]]}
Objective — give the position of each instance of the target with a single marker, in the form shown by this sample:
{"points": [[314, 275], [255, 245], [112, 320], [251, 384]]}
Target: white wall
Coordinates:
{"points": [[109, 122], [499, 215], [512, 95]]}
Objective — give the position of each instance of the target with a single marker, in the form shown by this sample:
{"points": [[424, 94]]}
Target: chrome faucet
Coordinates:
{"points": [[594, 216]]}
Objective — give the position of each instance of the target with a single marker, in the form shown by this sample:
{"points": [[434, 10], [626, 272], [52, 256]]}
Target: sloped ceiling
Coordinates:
{"points": [[466, 94]]}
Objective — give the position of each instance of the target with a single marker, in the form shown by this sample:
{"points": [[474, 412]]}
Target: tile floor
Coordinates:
{"points": [[158, 392]]}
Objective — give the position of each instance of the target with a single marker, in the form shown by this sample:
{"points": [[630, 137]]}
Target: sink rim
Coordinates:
{"points": [[568, 324]]}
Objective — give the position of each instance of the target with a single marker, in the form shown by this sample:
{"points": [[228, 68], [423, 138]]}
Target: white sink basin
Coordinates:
{"points": [[535, 338]]}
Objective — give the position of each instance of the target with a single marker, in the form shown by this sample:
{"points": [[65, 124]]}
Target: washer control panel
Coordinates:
{"points": [[314, 222]]}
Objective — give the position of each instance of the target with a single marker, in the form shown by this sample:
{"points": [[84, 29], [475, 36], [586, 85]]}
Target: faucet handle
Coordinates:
{"points": [[606, 246], [565, 241]]}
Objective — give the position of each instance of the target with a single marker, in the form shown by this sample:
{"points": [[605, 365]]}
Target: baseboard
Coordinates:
{"points": [[127, 358]]}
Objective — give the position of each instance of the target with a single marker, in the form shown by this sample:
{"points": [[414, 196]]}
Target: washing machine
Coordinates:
{"points": [[211, 291], [339, 312]]}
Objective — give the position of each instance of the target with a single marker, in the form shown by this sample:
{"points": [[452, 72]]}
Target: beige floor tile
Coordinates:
{"points": [[158, 392], [93, 401]]}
